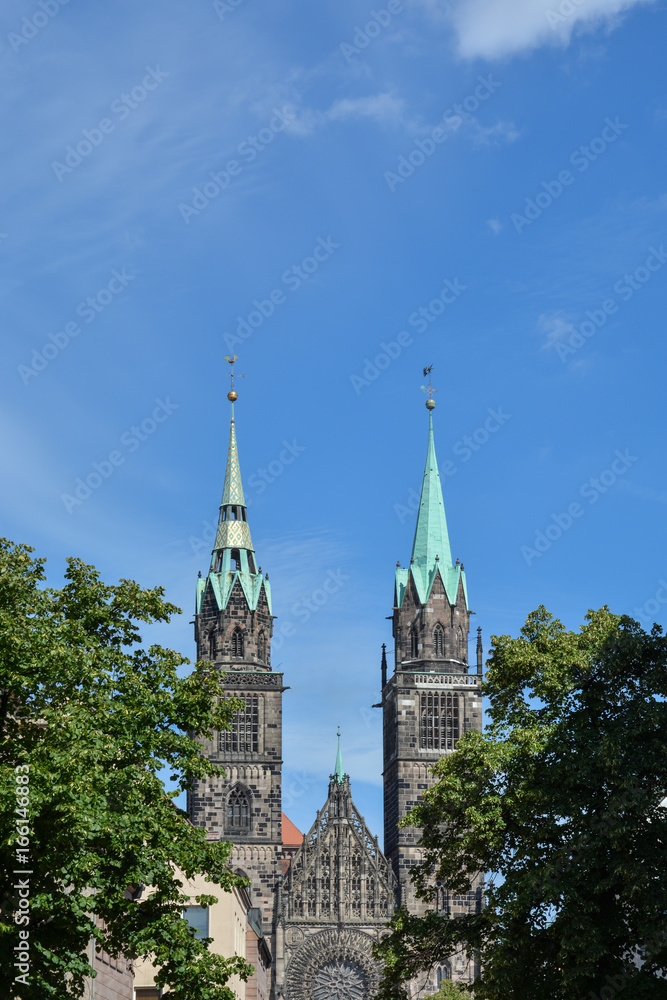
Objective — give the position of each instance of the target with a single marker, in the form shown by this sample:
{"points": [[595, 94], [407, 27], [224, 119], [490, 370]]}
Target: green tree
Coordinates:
{"points": [[561, 800], [449, 991], [88, 719]]}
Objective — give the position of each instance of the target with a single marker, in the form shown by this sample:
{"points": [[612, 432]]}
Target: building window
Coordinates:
{"points": [[243, 737], [439, 641], [197, 917], [439, 720], [463, 646], [443, 972], [238, 809], [237, 642], [414, 643], [211, 644], [261, 647]]}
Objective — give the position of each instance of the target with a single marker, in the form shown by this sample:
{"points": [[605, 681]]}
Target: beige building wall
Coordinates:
{"points": [[227, 926]]}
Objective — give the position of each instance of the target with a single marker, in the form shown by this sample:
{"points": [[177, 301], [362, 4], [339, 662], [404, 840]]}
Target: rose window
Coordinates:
{"points": [[339, 980]]}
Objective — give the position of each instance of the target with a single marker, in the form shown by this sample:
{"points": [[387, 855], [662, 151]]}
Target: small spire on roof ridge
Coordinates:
{"points": [[339, 773]]}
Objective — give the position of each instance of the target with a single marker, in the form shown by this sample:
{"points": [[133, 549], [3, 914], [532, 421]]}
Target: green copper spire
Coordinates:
{"points": [[339, 774], [431, 536], [233, 530], [233, 489], [431, 553]]}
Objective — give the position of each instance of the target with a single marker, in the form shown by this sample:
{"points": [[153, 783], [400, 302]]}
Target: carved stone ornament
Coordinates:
{"points": [[333, 965]]}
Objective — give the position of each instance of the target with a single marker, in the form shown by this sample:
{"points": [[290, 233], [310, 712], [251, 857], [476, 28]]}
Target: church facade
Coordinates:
{"points": [[324, 901]]}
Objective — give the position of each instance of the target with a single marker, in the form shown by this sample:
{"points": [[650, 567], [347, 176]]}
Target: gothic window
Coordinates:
{"points": [[414, 643], [261, 646], [238, 809], [443, 972], [442, 899], [340, 978], [243, 737], [237, 642], [211, 644], [439, 720], [438, 641]]}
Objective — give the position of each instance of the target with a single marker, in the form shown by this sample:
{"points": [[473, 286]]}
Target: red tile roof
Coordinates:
{"points": [[291, 836]]}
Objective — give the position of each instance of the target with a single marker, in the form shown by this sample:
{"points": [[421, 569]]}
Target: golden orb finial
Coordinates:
{"points": [[430, 402], [232, 395]]}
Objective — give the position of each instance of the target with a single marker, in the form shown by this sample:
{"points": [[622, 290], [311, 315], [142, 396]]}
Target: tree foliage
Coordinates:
{"points": [[449, 991], [90, 718], [561, 800]]}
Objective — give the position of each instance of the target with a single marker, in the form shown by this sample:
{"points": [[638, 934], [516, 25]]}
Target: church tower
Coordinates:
{"points": [[233, 628], [432, 697]]}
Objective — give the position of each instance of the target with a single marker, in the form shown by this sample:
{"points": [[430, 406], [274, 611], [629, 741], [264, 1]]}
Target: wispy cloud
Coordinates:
{"points": [[644, 492], [555, 327], [493, 135], [384, 109]]}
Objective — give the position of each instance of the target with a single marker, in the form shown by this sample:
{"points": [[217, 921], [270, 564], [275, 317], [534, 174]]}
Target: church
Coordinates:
{"points": [[323, 898]]}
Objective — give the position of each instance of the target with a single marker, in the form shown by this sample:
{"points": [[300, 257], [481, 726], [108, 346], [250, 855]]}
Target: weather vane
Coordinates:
{"points": [[232, 395], [430, 402]]}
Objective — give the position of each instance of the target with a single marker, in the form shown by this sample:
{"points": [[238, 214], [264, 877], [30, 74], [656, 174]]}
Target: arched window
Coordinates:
{"points": [[414, 642], [238, 809], [439, 641], [237, 642], [439, 720], [261, 646], [443, 972], [211, 644], [243, 734]]}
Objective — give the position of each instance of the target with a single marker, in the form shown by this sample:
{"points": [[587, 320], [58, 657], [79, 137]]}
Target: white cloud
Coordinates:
{"points": [[493, 135], [556, 328], [496, 28], [385, 109]]}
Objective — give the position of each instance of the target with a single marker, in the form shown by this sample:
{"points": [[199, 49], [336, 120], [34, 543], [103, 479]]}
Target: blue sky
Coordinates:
{"points": [[340, 197]]}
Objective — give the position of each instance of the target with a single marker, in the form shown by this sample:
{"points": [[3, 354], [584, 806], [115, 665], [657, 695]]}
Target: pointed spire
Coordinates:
{"points": [[480, 651], [233, 555], [339, 773], [431, 541], [233, 529], [233, 489], [383, 665]]}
